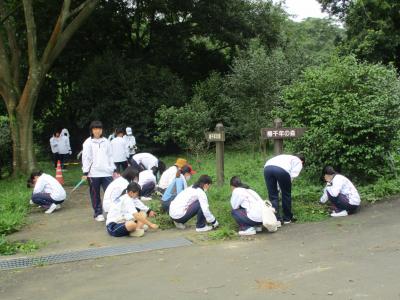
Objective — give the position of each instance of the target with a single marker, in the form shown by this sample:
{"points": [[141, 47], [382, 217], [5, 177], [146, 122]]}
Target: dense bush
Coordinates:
{"points": [[5, 146], [351, 110]]}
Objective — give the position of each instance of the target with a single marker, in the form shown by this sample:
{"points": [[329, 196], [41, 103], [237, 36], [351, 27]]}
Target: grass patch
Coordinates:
{"points": [[10, 248]]}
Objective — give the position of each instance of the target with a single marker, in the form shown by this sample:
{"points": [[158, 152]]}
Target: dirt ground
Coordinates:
{"points": [[355, 257]]}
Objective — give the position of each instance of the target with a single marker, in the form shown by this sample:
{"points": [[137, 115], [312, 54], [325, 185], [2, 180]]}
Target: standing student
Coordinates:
{"points": [[191, 202], [247, 207], [130, 142], [119, 151], [341, 192], [176, 186], [170, 174], [47, 191], [116, 188], [54, 147], [97, 166], [123, 219], [282, 169], [64, 148]]}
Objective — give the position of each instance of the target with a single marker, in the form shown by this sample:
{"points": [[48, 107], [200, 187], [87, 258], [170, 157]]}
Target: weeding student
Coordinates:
{"points": [[123, 219], [341, 192], [170, 174], [116, 188], [97, 166], [147, 182], [282, 169], [147, 161], [246, 207], [177, 186], [119, 151], [47, 191], [193, 201]]}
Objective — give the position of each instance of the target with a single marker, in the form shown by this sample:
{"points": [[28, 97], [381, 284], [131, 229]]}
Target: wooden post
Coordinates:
{"points": [[278, 143], [219, 146]]}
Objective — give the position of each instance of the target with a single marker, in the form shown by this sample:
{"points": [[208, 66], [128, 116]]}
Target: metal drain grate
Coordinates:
{"points": [[26, 262]]}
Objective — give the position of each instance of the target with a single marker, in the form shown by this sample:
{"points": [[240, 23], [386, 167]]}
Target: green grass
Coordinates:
{"points": [[306, 192]]}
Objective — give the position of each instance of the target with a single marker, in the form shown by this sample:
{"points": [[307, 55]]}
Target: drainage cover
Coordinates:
{"points": [[25, 262]]}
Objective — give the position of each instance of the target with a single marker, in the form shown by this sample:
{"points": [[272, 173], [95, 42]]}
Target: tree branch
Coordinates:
{"points": [[30, 33], [69, 31]]}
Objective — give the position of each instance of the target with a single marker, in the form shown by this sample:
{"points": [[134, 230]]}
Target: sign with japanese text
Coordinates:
{"points": [[282, 133], [215, 136]]}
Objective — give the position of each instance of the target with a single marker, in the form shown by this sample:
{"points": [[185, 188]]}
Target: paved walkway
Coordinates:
{"points": [[356, 257]]}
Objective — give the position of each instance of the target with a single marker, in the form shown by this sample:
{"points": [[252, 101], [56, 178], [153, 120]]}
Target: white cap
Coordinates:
{"points": [[128, 130]]}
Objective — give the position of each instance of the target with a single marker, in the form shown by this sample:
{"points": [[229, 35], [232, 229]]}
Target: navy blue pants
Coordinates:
{"points": [[117, 229], [44, 199], [194, 209], [341, 202], [94, 189], [275, 175], [241, 218], [148, 189]]}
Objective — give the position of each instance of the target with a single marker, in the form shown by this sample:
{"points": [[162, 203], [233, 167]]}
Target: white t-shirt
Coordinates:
{"points": [[146, 159], [250, 201], [146, 176], [119, 149], [342, 185], [49, 185], [290, 163], [97, 158], [121, 210], [184, 199], [167, 177], [113, 191]]}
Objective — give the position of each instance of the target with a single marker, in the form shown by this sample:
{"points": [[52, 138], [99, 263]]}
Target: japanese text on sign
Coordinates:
{"points": [[215, 136], [281, 133]]}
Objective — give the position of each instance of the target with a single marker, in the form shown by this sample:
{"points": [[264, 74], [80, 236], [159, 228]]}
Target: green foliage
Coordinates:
{"points": [[184, 125], [10, 248], [5, 146], [351, 110]]}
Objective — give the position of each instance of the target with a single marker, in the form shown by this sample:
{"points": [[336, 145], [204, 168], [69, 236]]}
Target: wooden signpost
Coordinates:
{"points": [[278, 134], [218, 136]]}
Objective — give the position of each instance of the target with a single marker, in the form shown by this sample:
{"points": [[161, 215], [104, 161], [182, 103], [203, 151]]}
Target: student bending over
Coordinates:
{"points": [[193, 201], [123, 218]]}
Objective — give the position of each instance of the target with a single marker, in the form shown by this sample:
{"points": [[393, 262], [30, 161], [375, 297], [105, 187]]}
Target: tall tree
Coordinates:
{"points": [[20, 79]]}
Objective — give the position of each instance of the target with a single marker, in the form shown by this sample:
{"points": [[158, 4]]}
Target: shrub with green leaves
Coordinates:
{"points": [[351, 110]]}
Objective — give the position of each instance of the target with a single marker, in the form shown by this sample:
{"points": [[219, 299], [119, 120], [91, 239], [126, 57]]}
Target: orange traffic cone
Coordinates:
{"points": [[59, 175]]}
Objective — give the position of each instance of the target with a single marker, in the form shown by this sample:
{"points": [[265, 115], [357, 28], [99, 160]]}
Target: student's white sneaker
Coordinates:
{"points": [[258, 228], [342, 213], [100, 218], [58, 206], [52, 208], [146, 198], [137, 233], [145, 227], [179, 225], [31, 202], [278, 224], [204, 229], [248, 231]]}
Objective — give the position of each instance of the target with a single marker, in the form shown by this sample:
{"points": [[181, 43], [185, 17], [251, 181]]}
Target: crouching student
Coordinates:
{"points": [[123, 218], [246, 207], [117, 187], [341, 192], [177, 186], [170, 174], [147, 182], [47, 191], [193, 201]]}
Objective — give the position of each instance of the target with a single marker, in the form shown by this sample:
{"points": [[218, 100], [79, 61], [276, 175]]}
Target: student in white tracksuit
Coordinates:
{"points": [[282, 169], [54, 147], [116, 188], [123, 218], [247, 207], [147, 161], [341, 192], [97, 166], [47, 191], [193, 201], [119, 151], [169, 175], [130, 142]]}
